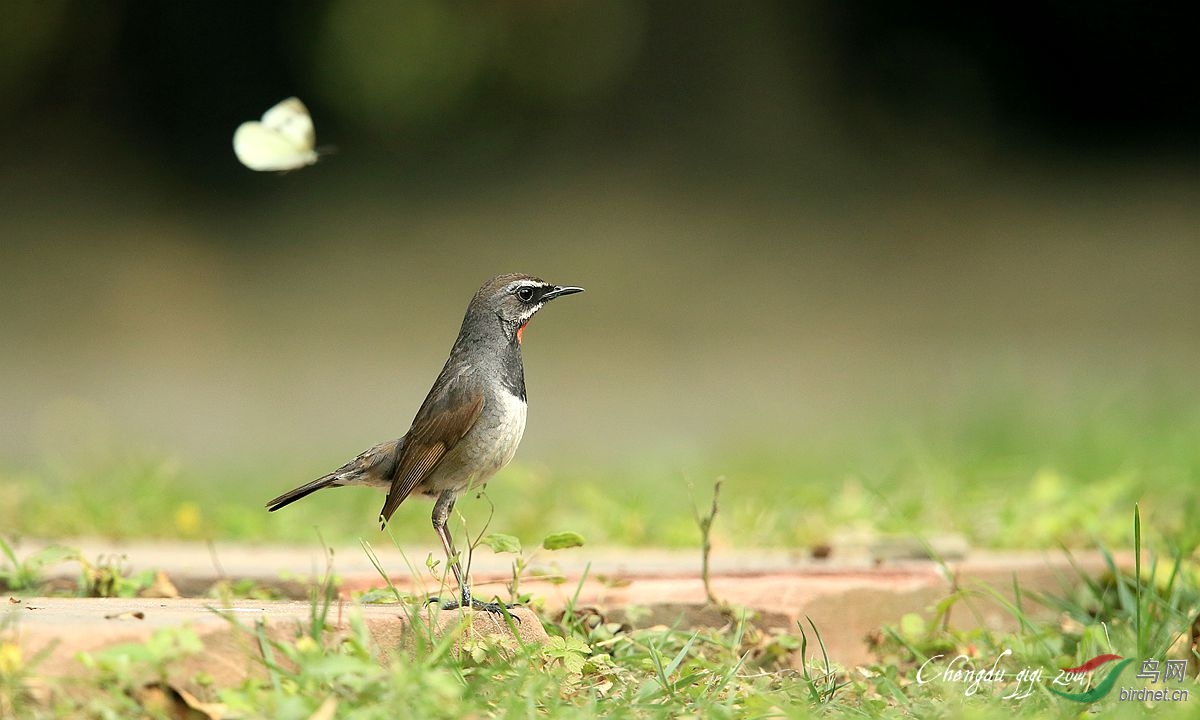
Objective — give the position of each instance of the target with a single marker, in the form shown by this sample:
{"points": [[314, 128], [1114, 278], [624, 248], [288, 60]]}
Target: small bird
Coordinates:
{"points": [[470, 423]]}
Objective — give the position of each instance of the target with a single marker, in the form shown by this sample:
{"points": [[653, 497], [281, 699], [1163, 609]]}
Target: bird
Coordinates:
{"points": [[469, 425]]}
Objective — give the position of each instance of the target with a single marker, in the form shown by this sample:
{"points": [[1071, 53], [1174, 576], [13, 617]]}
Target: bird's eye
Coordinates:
{"points": [[525, 294]]}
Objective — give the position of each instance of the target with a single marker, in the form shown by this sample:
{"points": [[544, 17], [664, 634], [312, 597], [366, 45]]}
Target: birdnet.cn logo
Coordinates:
{"points": [[1074, 684], [1170, 670]]}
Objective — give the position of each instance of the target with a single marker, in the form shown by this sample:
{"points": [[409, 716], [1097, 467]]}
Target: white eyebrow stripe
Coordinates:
{"points": [[524, 284]]}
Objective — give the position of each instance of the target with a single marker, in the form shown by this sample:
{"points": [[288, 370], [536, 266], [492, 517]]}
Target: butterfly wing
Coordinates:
{"points": [[261, 148], [291, 119]]}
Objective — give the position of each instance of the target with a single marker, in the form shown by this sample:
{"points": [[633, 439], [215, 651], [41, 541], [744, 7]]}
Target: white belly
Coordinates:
{"points": [[509, 429], [489, 446]]}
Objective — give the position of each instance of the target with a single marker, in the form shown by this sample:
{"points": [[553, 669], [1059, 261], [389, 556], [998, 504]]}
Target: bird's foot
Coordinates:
{"points": [[498, 608]]}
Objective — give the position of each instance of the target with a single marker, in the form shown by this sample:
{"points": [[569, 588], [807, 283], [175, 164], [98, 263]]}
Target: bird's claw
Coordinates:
{"points": [[497, 608]]}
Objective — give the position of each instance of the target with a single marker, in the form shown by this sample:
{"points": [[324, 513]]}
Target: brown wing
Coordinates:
{"points": [[449, 413]]}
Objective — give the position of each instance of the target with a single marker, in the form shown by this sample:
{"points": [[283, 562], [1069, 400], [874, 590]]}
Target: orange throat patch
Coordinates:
{"points": [[521, 333]]}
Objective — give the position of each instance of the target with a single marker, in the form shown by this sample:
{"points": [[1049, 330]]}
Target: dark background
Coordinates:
{"points": [[454, 90]]}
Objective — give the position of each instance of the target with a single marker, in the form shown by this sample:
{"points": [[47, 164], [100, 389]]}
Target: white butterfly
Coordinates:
{"points": [[282, 141]]}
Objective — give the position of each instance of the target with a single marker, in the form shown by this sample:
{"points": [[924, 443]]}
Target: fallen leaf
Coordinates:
{"points": [[178, 704], [127, 615], [211, 711], [162, 587]]}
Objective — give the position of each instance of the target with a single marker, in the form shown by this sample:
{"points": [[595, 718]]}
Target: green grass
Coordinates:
{"points": [[593, 668], [1004, 471]]}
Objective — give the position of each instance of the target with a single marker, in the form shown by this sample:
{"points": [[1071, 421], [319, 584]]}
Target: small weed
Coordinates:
{"points": [[19, 575], [131, 666], [824, 685], [17, 672], [705, 522], [246, 589], [523, 563], [322, 596], [109, 577]]}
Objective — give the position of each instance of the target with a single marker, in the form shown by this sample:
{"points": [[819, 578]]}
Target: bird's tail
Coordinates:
{"points": [[291, 496]]}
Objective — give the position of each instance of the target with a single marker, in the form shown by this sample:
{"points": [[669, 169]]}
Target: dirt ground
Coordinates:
{"points": [[847, 596]]}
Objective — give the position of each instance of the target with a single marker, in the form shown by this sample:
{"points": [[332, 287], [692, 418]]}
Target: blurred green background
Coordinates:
{"points": [[886, 267]]}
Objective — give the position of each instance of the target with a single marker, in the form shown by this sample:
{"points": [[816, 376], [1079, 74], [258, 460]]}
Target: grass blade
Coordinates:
{"points": [[1137, 580]]}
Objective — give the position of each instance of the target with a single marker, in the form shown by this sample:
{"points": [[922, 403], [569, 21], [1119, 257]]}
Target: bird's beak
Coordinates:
{"points": [[559, 291]]}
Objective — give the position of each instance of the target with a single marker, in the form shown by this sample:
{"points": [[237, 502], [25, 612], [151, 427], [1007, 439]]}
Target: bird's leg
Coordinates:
{"points": [[441, 519]]}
